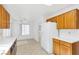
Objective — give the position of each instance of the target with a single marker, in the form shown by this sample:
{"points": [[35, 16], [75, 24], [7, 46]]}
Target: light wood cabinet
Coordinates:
{"points": [[0, 16], [65, 48], [56, 47], [53, 19], [60, 22], [4, 18], [68, 20], [7, 21]]}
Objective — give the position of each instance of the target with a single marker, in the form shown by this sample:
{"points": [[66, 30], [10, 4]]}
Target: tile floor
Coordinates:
{"points": [[29, 47]]}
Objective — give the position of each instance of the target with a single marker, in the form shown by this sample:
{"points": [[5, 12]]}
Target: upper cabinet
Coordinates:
{"points": [[68, 20], [59, 20], [52, 19], [4, 18]]}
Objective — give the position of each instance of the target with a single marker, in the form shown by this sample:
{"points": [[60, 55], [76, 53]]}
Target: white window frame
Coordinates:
{"points": [[25, 29]]}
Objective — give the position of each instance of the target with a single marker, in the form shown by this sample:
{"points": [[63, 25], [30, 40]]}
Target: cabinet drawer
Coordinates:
{"points": [[65, 43]]}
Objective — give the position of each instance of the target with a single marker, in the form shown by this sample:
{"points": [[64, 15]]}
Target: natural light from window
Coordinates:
{"points": [[25, 29]]}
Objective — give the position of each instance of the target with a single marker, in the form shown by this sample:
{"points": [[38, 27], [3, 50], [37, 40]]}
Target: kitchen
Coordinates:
{"points": [[54, 28]]}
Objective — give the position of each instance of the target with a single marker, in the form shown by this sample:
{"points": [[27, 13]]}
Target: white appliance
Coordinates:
{"points": [[48, 31]]}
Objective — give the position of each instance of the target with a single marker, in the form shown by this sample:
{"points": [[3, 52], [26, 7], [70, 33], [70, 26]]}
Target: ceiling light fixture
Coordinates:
{"points": [[49, 4]]}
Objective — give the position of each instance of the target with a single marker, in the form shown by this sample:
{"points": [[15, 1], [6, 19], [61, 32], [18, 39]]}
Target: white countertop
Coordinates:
{"points": [[69, 38], [5, 44]]}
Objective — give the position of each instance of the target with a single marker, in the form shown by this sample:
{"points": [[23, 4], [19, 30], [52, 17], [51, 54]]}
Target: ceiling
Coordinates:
{"points": [[33, 11]]}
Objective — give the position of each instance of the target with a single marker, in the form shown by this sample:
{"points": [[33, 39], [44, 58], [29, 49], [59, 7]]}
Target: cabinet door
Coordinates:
{"points": [[60, 22], [54, 19], [0, 16], [56, 49], [77, 21], [70, 20], [8, 20], [3, 18], [65, 50]]}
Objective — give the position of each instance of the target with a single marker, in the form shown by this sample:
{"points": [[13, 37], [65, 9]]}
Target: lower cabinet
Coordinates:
{"points": [[13, 49], [56, 47], [65, 48]]}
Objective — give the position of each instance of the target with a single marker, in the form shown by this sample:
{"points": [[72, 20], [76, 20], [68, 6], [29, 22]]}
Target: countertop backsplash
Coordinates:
{"points": [[68, 32]]}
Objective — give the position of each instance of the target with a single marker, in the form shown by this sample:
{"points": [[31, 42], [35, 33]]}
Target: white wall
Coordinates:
{"points": [[30, 36], [36, 24], [15, 27]]}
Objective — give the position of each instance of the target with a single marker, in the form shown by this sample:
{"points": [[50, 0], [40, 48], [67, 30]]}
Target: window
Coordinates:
{"points": [[25, 29], [6, 32]]}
